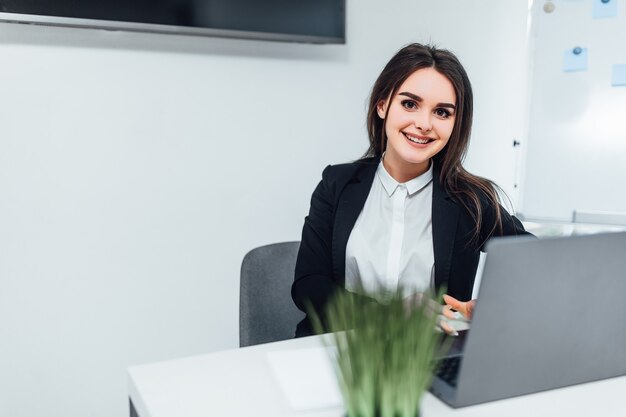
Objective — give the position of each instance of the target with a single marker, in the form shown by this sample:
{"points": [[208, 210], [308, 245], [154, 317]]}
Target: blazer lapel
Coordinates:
{"points": [[349, 206], [445, 218]]}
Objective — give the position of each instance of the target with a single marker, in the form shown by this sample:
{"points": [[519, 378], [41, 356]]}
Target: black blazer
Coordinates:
{"points": [[335, 206]]}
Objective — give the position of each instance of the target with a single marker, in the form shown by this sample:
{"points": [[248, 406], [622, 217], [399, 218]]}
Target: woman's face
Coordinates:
{"points": [[419, 123]]}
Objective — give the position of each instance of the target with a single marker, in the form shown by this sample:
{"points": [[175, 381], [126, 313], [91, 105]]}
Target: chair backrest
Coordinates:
{"points": [[266, 310]]}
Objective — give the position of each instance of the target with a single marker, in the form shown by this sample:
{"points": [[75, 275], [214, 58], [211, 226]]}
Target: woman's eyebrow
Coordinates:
{"points": [[419, 100], [411, 95]]}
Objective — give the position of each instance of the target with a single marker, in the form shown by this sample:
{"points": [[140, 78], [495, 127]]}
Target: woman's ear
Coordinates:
{"points": [[381, 109]]}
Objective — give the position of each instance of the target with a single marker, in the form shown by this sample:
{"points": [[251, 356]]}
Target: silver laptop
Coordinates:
{"points": [[550, 313]]}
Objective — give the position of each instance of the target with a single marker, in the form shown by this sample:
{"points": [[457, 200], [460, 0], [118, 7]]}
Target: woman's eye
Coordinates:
{"points": [[442, 113], [409, 104]]}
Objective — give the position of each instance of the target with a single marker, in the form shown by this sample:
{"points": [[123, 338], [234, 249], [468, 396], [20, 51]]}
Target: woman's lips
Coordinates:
{"points": [[419, 140]]}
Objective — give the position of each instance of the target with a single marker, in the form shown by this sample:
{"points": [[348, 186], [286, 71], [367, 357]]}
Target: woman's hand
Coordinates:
{"points": [[443, 311], [466, 308]]}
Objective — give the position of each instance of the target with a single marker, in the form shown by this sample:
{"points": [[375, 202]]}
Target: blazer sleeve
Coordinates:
{"points": [[313, 281], [511, 225]]}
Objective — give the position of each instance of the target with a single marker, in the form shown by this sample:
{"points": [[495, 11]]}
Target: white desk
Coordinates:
{"points": [[239, 383]]}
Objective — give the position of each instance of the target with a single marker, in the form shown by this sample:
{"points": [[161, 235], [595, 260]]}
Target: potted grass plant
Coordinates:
{"points": [[383, 351]]}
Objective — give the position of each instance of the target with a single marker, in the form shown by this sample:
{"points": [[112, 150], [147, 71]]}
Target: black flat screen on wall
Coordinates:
{"points": [[316, 21]]}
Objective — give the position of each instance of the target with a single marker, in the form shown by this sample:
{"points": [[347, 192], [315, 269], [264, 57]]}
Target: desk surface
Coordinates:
{"points": [[240, 383]]}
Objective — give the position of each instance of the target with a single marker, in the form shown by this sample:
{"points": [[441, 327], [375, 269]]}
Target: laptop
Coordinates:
{"points": [[550, 313]]}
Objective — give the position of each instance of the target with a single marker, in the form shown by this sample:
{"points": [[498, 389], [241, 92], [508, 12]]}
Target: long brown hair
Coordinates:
{"points": [[465, 188]]}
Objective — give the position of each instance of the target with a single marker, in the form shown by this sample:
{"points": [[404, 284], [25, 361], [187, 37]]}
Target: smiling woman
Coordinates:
{"points": [[407, 214], [419, 122]]}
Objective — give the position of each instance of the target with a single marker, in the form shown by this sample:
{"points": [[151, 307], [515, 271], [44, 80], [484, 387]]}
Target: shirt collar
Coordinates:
{"points": [[412, 186]]}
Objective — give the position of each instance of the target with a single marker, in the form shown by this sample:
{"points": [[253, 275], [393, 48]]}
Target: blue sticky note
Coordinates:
{"points": [[604, 8], [575, 59], [619, 75]]}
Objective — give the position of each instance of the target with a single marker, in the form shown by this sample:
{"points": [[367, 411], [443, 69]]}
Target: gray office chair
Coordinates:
{"points": [[266, 310]]}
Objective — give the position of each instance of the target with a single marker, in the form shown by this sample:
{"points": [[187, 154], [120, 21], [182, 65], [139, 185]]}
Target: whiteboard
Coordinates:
{"points": [[576, 149]]}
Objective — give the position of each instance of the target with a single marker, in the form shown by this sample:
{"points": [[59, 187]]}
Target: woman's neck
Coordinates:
{"points": [[402, 171]]}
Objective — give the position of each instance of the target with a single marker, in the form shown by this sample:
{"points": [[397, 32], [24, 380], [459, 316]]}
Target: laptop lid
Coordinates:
{"points": [[551, 313]]}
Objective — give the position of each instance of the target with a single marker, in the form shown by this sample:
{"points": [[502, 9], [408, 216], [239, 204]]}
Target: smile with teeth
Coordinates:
{"points": [[417, 140]]}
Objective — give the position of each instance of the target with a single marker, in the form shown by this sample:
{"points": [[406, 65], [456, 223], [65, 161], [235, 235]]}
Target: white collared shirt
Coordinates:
{"points": [[392, 240]]}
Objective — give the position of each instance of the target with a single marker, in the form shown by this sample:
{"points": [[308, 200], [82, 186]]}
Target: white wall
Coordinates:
{"points": [[497, 62], [576, 149], [136, 170]]}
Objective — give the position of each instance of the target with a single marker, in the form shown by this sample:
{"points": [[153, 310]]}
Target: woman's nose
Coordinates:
{"points": [[423, 122]]}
